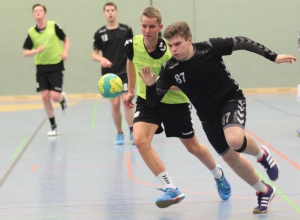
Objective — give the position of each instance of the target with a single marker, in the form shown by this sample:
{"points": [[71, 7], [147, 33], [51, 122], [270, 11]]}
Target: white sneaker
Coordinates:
{"points": [[53, 132], [64, 103]]}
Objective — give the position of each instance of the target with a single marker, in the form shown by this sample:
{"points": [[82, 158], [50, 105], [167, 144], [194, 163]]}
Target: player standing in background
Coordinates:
{"points": [[173, 111], [110, 40], [44, 42], [199, 71]]}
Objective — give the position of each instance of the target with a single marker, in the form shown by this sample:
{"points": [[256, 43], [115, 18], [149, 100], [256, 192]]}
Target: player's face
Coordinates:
{"points": [[39, 13], [180, 48], [110, 13], [150, 28]]}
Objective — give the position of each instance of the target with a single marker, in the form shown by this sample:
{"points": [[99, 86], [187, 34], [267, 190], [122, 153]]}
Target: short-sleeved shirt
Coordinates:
{"points": [[111, 43]]}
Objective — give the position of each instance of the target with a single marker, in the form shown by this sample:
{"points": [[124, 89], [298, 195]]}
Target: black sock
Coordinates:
{"points": [[131, 129], [52, 122]]}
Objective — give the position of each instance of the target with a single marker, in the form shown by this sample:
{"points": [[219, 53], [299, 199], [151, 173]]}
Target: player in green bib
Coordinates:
{"points": [[173, 111], [44, 43]]}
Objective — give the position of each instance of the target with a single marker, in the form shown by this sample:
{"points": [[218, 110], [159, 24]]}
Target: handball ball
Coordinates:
{"points": [[110, 86]]}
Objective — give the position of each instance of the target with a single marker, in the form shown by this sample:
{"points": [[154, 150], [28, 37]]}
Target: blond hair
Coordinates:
{"points": [[152, 12]]}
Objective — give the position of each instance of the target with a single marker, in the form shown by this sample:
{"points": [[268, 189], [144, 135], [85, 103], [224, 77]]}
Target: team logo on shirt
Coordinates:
{"points": [[104, 37], [162, 47]]}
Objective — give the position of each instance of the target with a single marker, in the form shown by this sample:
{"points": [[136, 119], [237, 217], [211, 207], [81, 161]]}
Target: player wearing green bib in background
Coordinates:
{"points": [[44, 43]]}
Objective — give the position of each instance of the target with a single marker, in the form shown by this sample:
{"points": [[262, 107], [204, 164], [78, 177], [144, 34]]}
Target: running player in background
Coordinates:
{"points": [[49, 60], [110, 40], [199, 71]]}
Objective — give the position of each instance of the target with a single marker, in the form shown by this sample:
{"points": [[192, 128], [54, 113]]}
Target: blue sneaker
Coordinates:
{"points": [[120, 139], [223, 186], [298, 132], [269, 164], [264, 199], [131, 137], [171, 196]]}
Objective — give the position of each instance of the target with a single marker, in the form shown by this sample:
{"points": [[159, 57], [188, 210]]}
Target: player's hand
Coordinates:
{"points": [[127, 100], [285, 58], [105, 63], [148, 77], [64, 56], [40, 48]]}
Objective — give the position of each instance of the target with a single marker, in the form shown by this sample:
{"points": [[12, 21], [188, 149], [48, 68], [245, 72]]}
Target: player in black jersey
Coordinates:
{"points": [[110, 40], [49, 60], [199, 71], [173, 112]]}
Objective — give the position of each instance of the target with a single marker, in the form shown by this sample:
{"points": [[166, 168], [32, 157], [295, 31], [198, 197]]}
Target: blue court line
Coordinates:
{"points": [[277, 109], [279, 192], [19, 148]]}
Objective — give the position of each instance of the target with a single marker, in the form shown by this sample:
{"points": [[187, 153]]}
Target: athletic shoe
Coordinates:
{"points": [[264, 199], [131, 137], [171, 196], [53, 132], [269, 164], [298, 132], [224, 188], [64, 103], [120, 139]]}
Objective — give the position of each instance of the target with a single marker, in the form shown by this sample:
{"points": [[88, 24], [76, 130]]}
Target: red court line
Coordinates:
{"points": [[274, 149], [34, 168]]}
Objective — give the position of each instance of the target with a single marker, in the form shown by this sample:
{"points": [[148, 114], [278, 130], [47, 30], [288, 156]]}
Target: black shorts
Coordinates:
{"points": [[124, 79], [176, 118], [49, 81], [233, 114]]}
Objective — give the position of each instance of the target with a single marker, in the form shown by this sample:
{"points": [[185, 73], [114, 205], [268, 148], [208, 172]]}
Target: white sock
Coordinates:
{"points": [[217, 173], [260, 186], [260, 154], [166, 180]]}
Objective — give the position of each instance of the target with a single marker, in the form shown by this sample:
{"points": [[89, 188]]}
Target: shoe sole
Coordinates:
{"points": [[272, 196], [167, 203], [265, 148]]}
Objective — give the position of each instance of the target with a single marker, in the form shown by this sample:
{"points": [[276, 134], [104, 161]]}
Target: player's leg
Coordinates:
{"points": [[146, 124], [129, 113], [234, 119], [178, 123], [117, 118], [43, 86], [202, 153], [57, 94]]}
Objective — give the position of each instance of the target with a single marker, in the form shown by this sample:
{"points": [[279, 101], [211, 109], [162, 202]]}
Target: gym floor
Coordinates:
{"points": [[81, 174]]}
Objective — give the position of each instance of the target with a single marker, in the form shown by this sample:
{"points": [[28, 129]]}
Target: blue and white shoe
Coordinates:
{"points": [[131, 138], [171, 196], [224, 188], [298, 132], [120, 139]]}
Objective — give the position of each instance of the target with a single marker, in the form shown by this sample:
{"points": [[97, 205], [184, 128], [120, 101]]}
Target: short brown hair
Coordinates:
{"points": [[180, 28], [43, 6], [110, 3], [152, 12]]}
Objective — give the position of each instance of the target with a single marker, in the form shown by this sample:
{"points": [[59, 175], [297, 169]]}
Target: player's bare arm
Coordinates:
{"points": [[105, 63], [127, 101], [30, 53], [64, 55]]}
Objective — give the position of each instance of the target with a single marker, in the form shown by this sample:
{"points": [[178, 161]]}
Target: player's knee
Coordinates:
{"points": [[243, 147], [56, 97]]}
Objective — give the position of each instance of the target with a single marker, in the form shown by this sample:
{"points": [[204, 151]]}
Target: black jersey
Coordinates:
{"points": [[111, 43], [204, 78]]}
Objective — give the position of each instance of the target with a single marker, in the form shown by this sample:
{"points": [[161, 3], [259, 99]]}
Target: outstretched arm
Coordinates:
{"points": [[244, 43]]}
